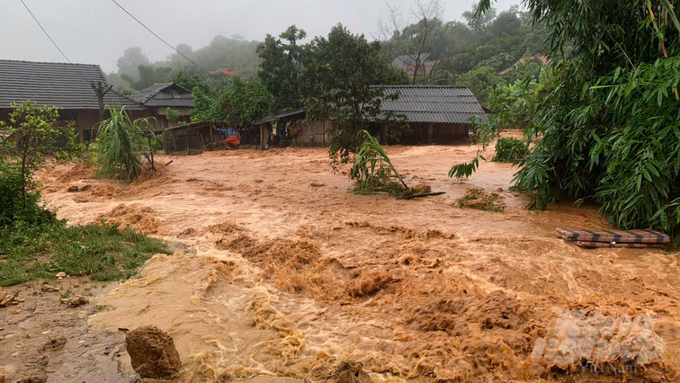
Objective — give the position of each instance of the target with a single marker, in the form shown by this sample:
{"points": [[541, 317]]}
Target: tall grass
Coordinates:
{"points": [[120, 143]]}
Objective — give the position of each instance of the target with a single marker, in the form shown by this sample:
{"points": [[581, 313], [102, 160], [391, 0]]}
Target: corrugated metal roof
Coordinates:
{"points": [[447, 104], [275, 117], [164, 95], [64, 85]]}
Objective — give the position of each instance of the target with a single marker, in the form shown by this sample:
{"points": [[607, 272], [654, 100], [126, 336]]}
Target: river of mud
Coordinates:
{"points": [[288, 274]]}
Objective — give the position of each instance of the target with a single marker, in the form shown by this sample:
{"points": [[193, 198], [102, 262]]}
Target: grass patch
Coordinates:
{"points": [[103, 252]]}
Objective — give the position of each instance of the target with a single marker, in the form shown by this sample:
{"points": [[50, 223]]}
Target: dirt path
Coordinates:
{"points": [[294, 274]]}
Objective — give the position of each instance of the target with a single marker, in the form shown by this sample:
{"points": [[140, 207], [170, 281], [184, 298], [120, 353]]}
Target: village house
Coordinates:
{"points": [[159, 97], [436, 114], [64, 85], [408, 63]]}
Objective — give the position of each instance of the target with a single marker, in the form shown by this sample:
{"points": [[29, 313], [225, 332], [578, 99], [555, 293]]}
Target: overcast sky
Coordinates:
{"points": [[97, 31]]}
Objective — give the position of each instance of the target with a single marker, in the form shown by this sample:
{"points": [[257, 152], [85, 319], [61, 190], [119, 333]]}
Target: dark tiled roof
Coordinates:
{"points": [[164, 95], [448, 104], [55, 84]]}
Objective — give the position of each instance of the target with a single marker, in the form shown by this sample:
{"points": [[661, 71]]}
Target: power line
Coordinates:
{"points": [[44, 31], [158, 37]]}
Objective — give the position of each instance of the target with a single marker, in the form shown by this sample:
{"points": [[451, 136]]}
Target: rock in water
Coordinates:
{"points": [[152, 353]]}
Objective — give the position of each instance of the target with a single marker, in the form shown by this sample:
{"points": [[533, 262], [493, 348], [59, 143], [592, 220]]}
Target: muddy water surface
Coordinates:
{"points": [[289, 273]]}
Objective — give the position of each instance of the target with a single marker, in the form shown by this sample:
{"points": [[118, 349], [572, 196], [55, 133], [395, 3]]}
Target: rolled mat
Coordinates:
{"points": [[617, 236], [594, 245]]}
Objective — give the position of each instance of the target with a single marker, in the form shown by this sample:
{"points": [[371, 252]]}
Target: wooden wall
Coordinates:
{"points": [[314, 133]]}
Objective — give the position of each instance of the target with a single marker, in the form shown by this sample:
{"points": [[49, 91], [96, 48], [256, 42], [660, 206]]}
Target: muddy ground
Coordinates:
{"points": [[289, 274]]}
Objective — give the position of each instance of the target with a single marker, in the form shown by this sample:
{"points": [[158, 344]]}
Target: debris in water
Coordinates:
{"points": [[477, 198], [152, 353]]}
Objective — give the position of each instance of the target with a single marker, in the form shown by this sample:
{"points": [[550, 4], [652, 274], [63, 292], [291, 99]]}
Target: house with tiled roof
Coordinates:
{"points": [[159, 97], [64, 85], [435, 114]]}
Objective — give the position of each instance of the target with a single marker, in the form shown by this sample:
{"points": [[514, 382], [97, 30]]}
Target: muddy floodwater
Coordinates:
{"points": [[286, 274]]}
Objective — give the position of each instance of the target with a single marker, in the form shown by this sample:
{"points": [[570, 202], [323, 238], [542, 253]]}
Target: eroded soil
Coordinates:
{"points": [[293, 275]]}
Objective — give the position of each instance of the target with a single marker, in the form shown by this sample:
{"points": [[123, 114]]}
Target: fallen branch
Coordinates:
{"points": [[169, 163], [419, 195]]}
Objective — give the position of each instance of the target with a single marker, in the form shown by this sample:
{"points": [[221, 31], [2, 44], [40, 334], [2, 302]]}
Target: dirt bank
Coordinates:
{"points": [[291, 277]]}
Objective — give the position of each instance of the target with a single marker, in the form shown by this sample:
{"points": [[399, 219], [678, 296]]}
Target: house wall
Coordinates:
{"points": [[314, 133], [161, 122], [441, 133]]}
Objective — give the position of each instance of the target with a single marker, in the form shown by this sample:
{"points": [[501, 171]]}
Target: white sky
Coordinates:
{"points": [[97, 31]]}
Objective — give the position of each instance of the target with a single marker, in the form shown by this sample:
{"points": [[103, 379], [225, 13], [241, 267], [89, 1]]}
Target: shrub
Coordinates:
{"points": [[510, 149]]}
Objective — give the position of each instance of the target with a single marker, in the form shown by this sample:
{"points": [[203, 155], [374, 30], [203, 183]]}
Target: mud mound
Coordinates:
{"points": [[477, 198], [152, 353], [135, 216], [69, 173]]}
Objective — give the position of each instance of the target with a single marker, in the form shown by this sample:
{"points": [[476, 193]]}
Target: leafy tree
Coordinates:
{"points": [[608, 120], [148, 75], [245, 103], [33, 134], [417, 40], [212, 85], [172, 114], [481, 81], [341, 68], [129, 63], [205, 108], [479, 20], [281, 67]]}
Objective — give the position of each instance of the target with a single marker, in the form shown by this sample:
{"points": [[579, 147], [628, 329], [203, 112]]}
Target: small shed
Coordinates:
{"points": [[159, 97]]}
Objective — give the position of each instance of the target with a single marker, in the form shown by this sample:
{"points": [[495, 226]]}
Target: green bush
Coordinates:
{"points": [[510, 149], [12, 206]]}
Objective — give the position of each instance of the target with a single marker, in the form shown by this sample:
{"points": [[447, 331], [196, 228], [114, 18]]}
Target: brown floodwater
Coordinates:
{"points": [[287, 273]]}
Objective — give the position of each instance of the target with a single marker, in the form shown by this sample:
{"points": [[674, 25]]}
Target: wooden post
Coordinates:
{"points": [[430, 132], [100, 91]]}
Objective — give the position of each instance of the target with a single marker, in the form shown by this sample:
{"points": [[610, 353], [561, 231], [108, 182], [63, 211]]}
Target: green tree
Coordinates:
{"points": [[245, 103], [341, 68], [148, 75], [481, 82], [33, 133], [608, 124], [129, 63], [206, 108], [281, 67], [172, 114]]}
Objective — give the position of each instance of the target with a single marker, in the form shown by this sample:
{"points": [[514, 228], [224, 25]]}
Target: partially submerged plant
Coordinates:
{"points": [[373, 169], [477, 198], [120, 143], [510, 149]]}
